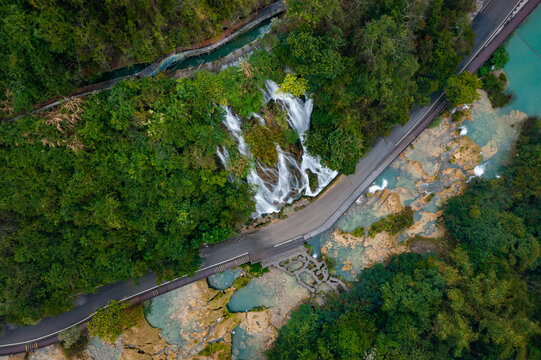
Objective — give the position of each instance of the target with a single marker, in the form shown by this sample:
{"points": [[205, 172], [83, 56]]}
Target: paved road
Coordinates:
{"points": [[291, 232]]}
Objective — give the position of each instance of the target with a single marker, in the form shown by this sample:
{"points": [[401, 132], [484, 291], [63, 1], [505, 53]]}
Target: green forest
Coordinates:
{"points": [[367, 63], [108, 187], [479, 298], [51, 47], [105, 189]]}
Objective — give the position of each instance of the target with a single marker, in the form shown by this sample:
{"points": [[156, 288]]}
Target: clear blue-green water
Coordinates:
{"points": [[252, 295], [244, 346], [224, 50], [224, 279], [159, 311], [524, 67]]}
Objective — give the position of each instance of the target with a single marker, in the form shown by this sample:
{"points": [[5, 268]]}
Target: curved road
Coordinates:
{"points": [[492, 26]]}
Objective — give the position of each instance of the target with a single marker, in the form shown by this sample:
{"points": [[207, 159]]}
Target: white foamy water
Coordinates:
{"points": [[479, 170], [291, 177], [374, 187], [298, 117], [463, 130]]}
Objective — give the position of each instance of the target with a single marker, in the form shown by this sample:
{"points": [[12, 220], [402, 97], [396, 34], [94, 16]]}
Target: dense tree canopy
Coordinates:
{"points": [[103, 189], [462, 88], [367, 62], [479, 300], [48, 48]]}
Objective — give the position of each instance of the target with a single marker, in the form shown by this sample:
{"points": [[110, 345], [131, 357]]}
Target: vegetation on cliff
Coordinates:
{"points": [[478, 300], [49, 48]]}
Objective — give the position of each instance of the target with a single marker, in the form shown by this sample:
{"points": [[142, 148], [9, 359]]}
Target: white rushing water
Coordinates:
{"points": [[479, 170], [292, 178], [374, 187]]}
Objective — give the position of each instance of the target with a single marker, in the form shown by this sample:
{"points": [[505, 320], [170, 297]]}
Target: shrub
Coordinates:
{"points": [[495, 87], [109, 322], [462, 88], [393, 223], [69, 336]]}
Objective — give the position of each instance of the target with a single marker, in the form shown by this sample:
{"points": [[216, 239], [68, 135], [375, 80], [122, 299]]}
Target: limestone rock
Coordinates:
{"points": [[468, 154], [345, 239], [379, 247], [142, 341], [393, 203]]}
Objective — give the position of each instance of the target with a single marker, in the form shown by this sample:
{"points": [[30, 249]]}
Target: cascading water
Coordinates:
{"points": [[292, 178], [298, 117]]}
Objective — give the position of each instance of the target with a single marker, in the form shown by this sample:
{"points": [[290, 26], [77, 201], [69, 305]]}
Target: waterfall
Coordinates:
{"points": [[373, 188], [298, 117], [291, 177], [479, 170]]}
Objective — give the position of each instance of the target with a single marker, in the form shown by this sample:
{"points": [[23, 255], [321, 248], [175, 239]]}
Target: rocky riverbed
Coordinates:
{"points": [[471, 141]]}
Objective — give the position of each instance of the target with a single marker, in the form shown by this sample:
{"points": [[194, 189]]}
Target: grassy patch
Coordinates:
{"points": [[435, 123], [255, 270], [241, 282], [393, 223], [358, 232], [222, 348]]}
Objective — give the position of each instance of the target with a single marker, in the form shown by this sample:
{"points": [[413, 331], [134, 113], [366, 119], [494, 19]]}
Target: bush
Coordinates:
{"points": [[495, 87], [358, 232], [393, 223], [255, 270], [222, 348], [110, 321], [499, 58], [69, 337], [241, 282], [291, 136], [294, 85], [462, 88]]}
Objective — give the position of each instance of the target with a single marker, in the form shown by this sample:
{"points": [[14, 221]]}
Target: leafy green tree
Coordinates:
{"points": [[499, 58], [294, 85], [310, 14], [462, 88], [110, 321], [69, 337]]}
